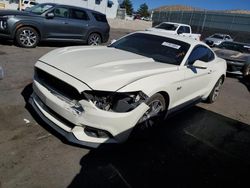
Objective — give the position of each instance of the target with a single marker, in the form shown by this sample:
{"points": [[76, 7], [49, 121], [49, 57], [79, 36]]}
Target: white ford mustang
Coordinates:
{"points": [[95, 95]]}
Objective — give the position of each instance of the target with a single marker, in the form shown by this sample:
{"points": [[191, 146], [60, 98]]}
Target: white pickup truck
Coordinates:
{"points": [[175, 28]]}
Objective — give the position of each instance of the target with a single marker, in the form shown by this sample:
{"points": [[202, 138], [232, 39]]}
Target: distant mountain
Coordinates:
{"points": [[189, 8]]}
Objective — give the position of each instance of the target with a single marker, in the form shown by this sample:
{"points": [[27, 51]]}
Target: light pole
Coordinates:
{"points": [[20, 4]]}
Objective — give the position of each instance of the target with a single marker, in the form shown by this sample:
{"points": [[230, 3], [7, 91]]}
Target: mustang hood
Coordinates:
{"points": [[104, 68]]}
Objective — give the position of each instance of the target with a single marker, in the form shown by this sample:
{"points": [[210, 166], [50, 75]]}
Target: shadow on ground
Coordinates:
{"points": [[193, 148]]}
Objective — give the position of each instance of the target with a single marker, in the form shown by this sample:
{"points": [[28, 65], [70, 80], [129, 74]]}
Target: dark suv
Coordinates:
{"points": [[54, 22]]}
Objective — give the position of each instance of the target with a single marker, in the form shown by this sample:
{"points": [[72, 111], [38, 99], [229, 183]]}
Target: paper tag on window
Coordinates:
{"points": [[171, 45]]}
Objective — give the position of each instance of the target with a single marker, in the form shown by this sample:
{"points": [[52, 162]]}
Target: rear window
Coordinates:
{"points": [[79, 14], [99, 17]]}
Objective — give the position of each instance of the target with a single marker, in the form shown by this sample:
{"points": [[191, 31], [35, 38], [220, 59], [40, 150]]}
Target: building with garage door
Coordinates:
{"points": [[108, 7]]}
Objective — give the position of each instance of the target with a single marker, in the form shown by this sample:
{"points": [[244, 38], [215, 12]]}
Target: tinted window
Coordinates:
{"points": [[99, 17], [240, 47], [33, 3], [200, 53], [40, 8], [167, 26], [79, 14], [161, 49], [181, 30], [110, 3], [186, 29], [217, 36], [61, 12]]}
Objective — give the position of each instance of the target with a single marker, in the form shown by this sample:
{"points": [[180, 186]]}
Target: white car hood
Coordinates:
{"points": [[104, 68]]}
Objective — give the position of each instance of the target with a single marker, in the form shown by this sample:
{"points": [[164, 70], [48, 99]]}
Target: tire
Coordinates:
{"points": [[27, 37], [154, 114], [246, 71], [94, 39], [215, 92]]}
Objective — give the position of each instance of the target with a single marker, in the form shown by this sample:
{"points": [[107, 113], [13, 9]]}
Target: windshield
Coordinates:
{"points": [[40, 8], [217, 36], [166, 26], [243, 48], [161, 49]]}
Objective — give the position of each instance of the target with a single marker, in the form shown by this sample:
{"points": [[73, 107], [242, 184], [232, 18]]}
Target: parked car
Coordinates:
{"points": [[25, 5], [175, 28], [54, 22], [237, 56], [217, 39], [106, 92]]}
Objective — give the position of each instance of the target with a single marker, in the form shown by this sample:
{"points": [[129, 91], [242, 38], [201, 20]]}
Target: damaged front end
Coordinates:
{"points": [[116, 101]]}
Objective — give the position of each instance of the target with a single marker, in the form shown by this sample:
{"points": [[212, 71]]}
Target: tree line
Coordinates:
{"points": [[142, 11]]}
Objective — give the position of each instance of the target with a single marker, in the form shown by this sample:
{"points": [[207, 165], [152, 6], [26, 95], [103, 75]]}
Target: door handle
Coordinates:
{"points": [[210, 71], [65, 23]]}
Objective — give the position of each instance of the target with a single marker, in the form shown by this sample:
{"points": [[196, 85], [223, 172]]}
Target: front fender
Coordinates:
{"points": [[27, 23]]}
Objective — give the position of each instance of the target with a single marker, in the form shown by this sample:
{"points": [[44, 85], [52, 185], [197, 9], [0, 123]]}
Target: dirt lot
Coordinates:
{"points": [[206, 145]]}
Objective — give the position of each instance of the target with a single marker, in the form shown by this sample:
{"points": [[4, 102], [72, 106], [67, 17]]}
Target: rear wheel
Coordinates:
{"points": [[94, 39], [216, 91], [27, 37]]}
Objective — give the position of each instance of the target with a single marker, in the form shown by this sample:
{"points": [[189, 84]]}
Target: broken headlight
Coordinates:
{"points": [[115, 101]]}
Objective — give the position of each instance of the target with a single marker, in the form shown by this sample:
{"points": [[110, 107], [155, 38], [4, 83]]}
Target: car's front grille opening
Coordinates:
{"points": [[57, 85], [55, 115]]}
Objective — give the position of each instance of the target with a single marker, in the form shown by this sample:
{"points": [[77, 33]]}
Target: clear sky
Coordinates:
{"points": [[204, 4]]}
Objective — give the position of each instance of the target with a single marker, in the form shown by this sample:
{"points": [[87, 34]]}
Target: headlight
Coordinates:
{"points": [[115, 101], [3, 24]]}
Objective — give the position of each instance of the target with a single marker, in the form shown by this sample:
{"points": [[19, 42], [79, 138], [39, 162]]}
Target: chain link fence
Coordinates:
{"points": [[208, 22]]}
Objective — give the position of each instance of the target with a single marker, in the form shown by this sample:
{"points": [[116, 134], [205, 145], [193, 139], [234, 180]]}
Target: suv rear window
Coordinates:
{"points": [[79, 14], [99, 17]]}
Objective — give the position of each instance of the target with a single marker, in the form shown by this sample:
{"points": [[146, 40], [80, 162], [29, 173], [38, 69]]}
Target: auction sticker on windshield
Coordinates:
{"points": [[171, 45]]}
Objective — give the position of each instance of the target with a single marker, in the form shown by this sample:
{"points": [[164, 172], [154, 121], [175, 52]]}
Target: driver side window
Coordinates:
{"points": [[61, 12], [201, 53]]}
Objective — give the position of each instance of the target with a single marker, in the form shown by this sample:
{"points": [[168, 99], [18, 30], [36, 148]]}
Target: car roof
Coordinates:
{"points": [[221, 34], [176, 23], [186, 39], [235, 42], [70, 6]]}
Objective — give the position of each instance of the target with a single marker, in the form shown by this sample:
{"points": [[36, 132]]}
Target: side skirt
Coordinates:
{"points": [[182, 107]]}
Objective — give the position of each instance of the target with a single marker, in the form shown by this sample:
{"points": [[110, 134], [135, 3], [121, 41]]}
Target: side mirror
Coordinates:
{"points": [[50, 15], [200, 64]]}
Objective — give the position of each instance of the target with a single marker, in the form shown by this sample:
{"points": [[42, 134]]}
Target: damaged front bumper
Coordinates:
{"points": [[91, 126]]}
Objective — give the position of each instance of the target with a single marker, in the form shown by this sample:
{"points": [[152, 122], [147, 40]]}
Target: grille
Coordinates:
{"points": [[57, 85], [55, 115]]}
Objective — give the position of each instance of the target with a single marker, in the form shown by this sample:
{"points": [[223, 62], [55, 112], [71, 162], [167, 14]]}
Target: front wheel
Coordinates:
{"points": [[154, 114], [246, 71], [27, 37], [215, 92], [94, 39]]}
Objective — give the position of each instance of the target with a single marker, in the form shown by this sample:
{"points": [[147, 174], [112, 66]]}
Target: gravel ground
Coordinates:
{"points": [[207, 145]]}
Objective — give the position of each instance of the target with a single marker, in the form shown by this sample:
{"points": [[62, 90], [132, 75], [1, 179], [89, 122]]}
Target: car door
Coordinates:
{"points": [[79, 23], [58, 26], [196, 79]]}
